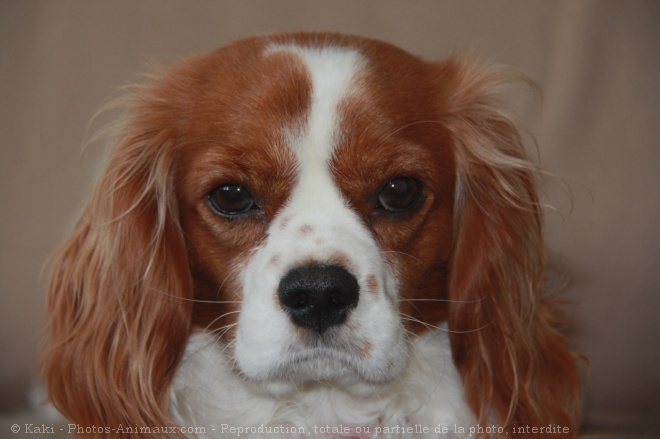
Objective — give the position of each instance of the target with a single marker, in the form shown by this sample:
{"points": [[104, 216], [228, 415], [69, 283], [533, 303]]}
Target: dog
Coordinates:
{"points": [[311, 235]]}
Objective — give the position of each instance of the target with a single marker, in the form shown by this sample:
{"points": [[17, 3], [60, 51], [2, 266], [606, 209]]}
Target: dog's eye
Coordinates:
{"points": [[400, 194], [231, 199]]}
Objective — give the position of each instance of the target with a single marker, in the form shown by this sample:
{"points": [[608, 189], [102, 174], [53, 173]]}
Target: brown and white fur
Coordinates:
{"points": [[311, 230]]}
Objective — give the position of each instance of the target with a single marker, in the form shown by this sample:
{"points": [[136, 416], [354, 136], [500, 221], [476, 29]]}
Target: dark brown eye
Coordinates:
{"points": [[400, 194], [230, 200]]}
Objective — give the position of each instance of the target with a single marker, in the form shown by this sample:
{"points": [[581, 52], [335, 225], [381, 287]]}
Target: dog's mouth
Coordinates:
{"points": [[322, 368], [336, 359]]}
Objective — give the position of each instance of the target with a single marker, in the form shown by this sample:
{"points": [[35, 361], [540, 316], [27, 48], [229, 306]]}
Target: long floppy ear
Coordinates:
{"points": [[118, 314], [509, 354]]}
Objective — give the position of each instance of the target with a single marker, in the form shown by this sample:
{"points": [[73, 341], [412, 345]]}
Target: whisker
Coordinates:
{"points": [[410, 318], [404, 254], [186, 299], [219, 333], [222, 284], [479, 300], [450, 331], [219, 317]]}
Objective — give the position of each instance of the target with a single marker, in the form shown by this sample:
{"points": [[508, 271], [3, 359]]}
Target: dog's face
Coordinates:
{"points": [[316, 195], [313, 201]]}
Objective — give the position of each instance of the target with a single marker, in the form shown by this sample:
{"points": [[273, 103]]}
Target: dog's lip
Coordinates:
{"points": [[331, 359], [319, 369], [317, 356], [320, 352]]}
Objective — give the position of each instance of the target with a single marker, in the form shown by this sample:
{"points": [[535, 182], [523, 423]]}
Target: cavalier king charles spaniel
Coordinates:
{"points": [[311, 235]]}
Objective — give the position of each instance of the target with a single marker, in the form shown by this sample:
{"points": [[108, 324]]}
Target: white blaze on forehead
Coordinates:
{"points": [[331, 71], [316, 225]]}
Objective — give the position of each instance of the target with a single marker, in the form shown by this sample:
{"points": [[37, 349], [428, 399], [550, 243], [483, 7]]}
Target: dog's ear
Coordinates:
{"points": [[118, 306], [510, 356]]}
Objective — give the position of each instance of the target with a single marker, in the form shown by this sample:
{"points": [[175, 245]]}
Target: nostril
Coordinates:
{"points": [[341, 298], [295, 299], [318, 296]]}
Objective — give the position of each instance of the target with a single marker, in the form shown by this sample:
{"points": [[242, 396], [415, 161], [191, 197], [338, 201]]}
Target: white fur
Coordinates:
{"points": [[365, 372], [207, 393]]}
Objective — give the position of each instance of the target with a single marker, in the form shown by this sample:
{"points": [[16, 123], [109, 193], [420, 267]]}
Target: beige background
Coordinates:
{"points": [[598, 63]]}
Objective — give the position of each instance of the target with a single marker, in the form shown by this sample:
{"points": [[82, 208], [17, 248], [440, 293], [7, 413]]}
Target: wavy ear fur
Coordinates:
{"points": [[118, 314], [510, 356]]}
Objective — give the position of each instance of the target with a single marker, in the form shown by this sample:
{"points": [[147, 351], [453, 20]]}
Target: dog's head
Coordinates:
{"points": [[314, 201]]}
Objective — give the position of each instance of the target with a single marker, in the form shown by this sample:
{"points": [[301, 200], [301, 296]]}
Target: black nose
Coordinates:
{"points": [[318, 296]]}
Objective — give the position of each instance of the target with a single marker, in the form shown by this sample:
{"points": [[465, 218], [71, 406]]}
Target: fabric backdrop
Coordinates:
{"points": [[597, 132]]}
